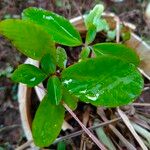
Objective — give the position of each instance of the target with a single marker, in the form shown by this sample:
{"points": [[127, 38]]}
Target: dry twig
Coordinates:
{"points": [[130, 127], [95, 140]]}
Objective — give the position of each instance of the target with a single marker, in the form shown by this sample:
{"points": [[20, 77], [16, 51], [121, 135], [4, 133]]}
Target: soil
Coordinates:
{"points": [[11, 133]]}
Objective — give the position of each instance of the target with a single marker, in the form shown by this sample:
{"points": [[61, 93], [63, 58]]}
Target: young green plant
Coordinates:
{"points": [[108, 79]]}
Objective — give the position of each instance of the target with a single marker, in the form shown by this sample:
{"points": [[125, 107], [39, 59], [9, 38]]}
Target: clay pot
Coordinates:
{"points": [[24, 93]]}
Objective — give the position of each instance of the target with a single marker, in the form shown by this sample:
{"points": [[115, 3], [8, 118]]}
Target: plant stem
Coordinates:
{"points": [[141, 104], [95, 140]]}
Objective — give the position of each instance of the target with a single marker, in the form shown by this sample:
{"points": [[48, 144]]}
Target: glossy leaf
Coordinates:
{"points": [[54, 90], [60, 28], [118, 50], [93, 16], [48, 64], [69, 99], [29, 38], [85, 52], [61, 57], [47, 123], [61, 146], [28, 74], [91, 34], [103, 81]]}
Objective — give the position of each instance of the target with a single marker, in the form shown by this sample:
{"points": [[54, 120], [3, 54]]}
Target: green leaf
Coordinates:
{"points": [[61, 57], [118, 50], [29, 38], [101, 25], [48, 64], [47, 123], [54, 90], [60, 28], [69, 99], [28, 74], [103, 81], [90, 35], [61, 146], [85, 52], [111, 35], [93, 16], [126, 36]]}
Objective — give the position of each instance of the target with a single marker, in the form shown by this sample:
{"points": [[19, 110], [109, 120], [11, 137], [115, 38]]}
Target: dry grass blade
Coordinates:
{"points": [[117, 145], [81, 131], [141, 104], [143, 132], [146, 143], [129, 146], [146, 115], [122, 138], [144, 74], [144, 118], [25, 145], [103, 137], [130, 127], [95, 140], [140, 122], [85, 120]]}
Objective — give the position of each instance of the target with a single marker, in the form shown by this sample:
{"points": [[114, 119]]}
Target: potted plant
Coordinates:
{"points": [[106, 73]]}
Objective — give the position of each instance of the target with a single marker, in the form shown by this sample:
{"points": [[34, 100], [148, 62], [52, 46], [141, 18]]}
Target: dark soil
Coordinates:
{"points": [[11, 133]]}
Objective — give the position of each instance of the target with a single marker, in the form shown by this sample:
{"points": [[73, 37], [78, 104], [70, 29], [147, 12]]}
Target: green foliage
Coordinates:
{"points": [[48, 64], [60, 28], [118, 50], [85, 52], [46, 124], [102, 25], [103, 81], [54, 90], [111, 79], [111, 35], [61, 57], [28, 74], [126, 36], [94, 15], [61, 146], [69, 99], [90, 36], [29, 38]]}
